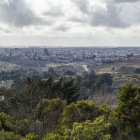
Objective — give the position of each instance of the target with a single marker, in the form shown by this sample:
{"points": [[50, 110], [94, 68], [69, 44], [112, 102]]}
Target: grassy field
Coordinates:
{"points": [[107, 68], [120, 79], [5, 66], [52, 65]]}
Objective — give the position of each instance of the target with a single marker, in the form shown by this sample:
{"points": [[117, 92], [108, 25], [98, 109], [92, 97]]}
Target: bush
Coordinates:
{"points": [[49, 113], [8, 136], [23, 126], [52, 136], [88, 130], [79, 112], [96, 130], [5, 122], [31, 136]]}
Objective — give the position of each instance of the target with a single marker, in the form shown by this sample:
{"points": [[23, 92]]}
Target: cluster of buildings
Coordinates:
{"points": [[73, 55]]}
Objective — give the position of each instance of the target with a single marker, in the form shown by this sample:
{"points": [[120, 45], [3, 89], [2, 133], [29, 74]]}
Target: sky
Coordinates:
{"points": [[70, 23]]}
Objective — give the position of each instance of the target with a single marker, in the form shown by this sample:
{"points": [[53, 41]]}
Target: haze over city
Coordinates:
{"points": [[69, 23]]}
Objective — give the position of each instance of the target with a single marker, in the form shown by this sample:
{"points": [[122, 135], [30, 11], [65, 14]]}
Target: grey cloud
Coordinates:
{"points": [[111, 16], [83, 5], [99, 16], [126, 1], [107, 17], [130, 13], [54, 12], [62, 28], [5, 30], [76, 19], [17, 13]]}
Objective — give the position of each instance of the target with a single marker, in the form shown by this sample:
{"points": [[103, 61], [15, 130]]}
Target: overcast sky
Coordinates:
{"points": [[70, 22]]}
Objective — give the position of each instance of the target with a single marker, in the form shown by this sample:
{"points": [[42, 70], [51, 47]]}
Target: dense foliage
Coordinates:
{"points": [[51, 109]]}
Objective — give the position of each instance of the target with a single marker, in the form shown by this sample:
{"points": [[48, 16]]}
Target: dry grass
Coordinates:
{"points": [[108, 67], [109, 99], [7, 84]]}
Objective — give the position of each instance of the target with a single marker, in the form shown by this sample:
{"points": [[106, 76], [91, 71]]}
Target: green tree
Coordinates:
{"points": [[79, 112], [127, 112], [88, 130], [52, 136], [96, 130], [5, 122], [31, 136], [102, 83], [22, 127], [49, 112], [8, 136]]}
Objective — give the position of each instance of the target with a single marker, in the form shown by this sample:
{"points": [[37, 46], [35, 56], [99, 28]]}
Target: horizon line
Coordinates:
{"points": [[49, 46]]}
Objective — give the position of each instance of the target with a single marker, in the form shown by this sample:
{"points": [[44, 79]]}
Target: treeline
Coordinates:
{"points": [[87, 84], [51, 110], [21, 74], [92, 83]]}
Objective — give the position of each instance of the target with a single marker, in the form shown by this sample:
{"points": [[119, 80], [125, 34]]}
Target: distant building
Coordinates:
{"points": [[46, 52]]}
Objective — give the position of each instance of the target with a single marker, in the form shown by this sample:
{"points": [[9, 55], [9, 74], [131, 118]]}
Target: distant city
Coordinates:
{"points": [[69, 55], [76, 59]]}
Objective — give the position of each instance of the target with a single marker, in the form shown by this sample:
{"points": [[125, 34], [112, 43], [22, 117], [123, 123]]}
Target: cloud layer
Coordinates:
{"points": [[65, 22], [129, 1], [112, 15], [17, 13]]}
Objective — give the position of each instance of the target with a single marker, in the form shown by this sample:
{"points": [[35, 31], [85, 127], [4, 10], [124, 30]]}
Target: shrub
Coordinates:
{"points": [[79, 112], [5, 122], [49, 113], [96, 130], [31, 136], [88, 130], [8, 136]]}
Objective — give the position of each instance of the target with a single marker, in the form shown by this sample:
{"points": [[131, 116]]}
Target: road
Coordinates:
{"points": [[85, 67]]}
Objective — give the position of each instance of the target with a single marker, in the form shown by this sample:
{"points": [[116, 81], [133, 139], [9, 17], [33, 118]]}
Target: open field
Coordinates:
{"points": [[52, 65], [100, 99], [5, 66], [107, 68]]}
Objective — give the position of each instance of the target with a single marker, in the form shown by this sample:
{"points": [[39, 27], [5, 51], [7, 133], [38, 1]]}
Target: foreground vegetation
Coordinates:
{"points": [[53, 109]]}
